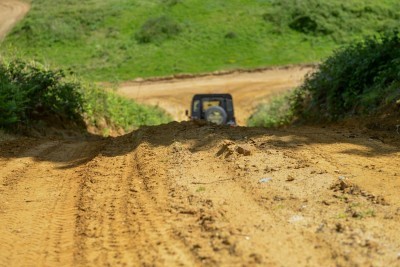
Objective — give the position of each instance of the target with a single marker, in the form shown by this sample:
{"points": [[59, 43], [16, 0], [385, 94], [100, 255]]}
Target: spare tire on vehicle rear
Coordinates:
{"points": [[216, 114]]}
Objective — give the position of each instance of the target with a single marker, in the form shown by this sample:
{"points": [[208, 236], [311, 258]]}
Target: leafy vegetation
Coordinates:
{"points": [[356, 80], [156, 30], [29, 92], [338, 19], [276, 112], [111, 40]]}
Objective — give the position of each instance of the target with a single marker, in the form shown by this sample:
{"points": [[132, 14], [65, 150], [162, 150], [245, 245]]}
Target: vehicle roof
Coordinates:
{"points": [[212, 95]]}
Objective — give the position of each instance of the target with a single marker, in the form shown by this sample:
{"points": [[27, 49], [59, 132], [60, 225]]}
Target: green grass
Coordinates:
{"points": [[106, 107], [112, 40]]}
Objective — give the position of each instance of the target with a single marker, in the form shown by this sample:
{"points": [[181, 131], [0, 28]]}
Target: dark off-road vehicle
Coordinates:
{"points": [[215, 108]]}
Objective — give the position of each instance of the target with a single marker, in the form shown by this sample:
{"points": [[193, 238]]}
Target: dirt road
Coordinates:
{"points": [[11, 11], [189, 195], [247, 89]]}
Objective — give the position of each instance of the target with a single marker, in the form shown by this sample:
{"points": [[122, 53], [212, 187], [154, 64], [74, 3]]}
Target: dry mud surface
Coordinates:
{"points": [[185, 194], [11, 12]]}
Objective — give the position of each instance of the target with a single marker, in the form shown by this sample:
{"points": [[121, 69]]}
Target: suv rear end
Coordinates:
{"points": [[215, 108]]}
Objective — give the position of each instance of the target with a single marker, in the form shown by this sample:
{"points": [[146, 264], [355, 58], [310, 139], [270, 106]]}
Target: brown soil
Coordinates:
{"points": [[184, 194], [11, 11], [248, 89], [189, 195]]}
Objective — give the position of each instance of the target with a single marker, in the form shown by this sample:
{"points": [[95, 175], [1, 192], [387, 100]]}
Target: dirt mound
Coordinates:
{"points": [[201, 195]]}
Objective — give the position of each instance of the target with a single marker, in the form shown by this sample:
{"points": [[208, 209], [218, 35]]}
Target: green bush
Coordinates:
{"points": [[358, 79], [277, 112], [354, 80], [156, 30], [29, 91], [336, 18]]}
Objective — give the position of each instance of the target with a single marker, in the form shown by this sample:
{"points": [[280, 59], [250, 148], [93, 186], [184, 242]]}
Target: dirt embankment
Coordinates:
{"points": [[247, 88], [11, 11], [190, 195]]}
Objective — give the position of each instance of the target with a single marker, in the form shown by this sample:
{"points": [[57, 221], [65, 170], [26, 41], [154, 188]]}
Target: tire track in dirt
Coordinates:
{"points": [[102, 234], [11, 171], [118, 223], [38, 209], [185, 194], [11, 11], [152, 189]]}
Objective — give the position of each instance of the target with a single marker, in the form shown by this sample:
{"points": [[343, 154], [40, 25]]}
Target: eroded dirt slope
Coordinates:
{"points": [[189, 195]]}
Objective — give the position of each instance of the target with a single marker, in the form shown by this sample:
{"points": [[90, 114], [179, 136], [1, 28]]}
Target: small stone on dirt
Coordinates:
{"points": [[265, 180], [290, 178], [326, 202], [296, 218], [256, 257]]}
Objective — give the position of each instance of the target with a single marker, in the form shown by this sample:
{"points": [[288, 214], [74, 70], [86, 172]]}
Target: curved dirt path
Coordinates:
{"points": [[11, 11], [247, 89], [188, 195]]}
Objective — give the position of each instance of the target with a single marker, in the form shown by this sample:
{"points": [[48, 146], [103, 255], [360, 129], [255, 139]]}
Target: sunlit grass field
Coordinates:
{"points": [[114, 40]]}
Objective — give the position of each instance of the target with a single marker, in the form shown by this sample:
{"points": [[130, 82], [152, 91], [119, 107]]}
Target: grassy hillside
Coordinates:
{"points": [[123, 39], [360, 79]]}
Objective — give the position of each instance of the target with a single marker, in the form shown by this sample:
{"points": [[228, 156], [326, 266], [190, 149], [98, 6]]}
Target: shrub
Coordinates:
{"points": [[277, 112], [356, 79], [315, 17], [171, 3], [29, 91], [156, 30]]}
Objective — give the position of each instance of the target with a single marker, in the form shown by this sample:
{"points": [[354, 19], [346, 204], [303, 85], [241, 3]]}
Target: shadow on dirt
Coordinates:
{"points": [[78, 150], [203, 137]]}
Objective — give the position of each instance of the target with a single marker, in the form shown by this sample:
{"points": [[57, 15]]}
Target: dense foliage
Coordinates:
{"points": [[109, 40], [338, 19], [358, 79], [354, 80], [156, 30], [29, 92]]}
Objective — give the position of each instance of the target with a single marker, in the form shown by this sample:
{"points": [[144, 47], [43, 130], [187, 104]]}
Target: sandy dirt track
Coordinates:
{"points": [[247, 89], [188, 195], [11, 11]]}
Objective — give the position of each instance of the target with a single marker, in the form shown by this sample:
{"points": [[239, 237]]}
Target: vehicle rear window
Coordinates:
{"points": [[210, 103]]}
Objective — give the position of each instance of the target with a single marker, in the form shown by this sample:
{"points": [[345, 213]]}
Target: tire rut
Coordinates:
{"points": [[38, 208], [118, 222], [15, 168]]}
